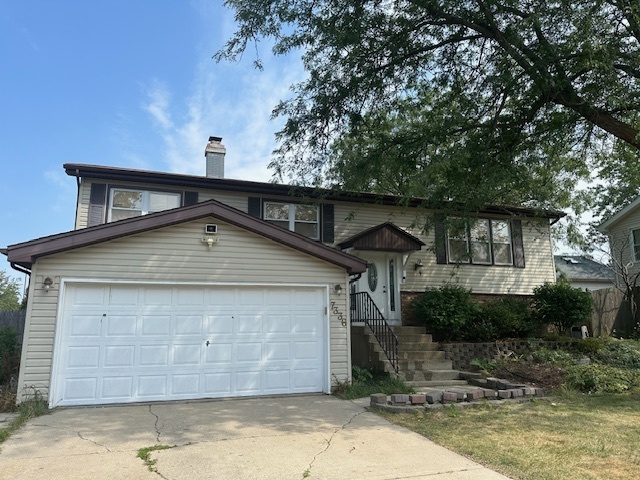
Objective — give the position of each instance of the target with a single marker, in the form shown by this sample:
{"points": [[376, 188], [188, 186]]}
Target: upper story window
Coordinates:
{"points": [[483, 242], [635, 245], [303, 219], [127, 203]]}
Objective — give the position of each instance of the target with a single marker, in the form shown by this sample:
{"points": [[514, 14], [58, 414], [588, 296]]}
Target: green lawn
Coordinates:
{"points": [[574, 436]]}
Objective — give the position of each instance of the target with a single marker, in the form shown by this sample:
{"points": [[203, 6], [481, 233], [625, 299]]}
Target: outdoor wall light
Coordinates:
{"points": [[338, 289], [418, 265], [47, 284]]}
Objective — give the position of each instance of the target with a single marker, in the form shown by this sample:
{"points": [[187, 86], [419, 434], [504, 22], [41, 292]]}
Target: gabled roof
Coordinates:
{"points": [[25, 254], [385, 236], [263, 188], [606, 225], [581, 268]]}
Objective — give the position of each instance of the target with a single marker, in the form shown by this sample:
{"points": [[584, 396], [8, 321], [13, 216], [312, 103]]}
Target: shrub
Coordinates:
{"points": [[561, 305], [510, 317], [9, 354], [555, 357], [446, 311], [597, 378], [619, 354], [591, 346]]}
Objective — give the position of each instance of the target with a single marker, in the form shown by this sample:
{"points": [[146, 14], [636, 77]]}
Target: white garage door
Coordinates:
{"points": [[124, 343]]}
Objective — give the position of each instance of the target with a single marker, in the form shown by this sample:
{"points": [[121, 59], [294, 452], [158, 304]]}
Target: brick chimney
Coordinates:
{"points": [[214, 153]]}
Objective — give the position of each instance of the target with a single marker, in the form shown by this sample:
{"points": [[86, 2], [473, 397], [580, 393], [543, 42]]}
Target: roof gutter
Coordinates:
{"points": [[20, 269]]}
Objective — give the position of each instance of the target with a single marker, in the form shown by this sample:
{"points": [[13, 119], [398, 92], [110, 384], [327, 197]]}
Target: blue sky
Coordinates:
{"points": [[123, 83]]}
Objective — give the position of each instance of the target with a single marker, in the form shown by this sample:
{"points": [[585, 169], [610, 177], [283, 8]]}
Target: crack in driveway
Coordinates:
{"points": [[94, 442], [329, 440], [155, 425]]}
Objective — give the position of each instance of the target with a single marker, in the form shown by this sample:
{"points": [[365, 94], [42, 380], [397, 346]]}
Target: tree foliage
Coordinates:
{"points": [[9, 293], [491, 101]]}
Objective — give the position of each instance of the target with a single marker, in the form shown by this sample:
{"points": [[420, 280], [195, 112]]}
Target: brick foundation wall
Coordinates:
{"points": [[461, 354]]}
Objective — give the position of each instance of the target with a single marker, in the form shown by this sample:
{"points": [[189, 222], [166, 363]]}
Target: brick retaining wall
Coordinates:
{"points": [[461, 354]]}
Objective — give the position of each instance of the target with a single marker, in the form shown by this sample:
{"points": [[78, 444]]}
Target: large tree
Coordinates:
{"points": [[9, 293], [507, 98]]}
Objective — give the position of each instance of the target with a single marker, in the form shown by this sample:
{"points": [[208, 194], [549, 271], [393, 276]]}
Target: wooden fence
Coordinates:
{"points": [[611, 313], [15, 320]]}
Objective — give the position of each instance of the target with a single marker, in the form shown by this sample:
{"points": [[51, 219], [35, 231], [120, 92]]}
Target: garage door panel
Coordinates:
{"points": [[185, 384], [186, 354], [123, 296], [248, 382], [154, 355], [85, 326], [121, 325], [220, 324], [141, 343], [248, 352], [187, 325], [219, 354], [120, 387], [152, 386], [248, 323], [83, 357], [119, 355], [155, 325]]}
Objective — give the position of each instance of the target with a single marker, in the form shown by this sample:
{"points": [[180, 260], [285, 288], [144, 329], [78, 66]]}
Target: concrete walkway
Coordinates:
{"points": [[316, 437]]}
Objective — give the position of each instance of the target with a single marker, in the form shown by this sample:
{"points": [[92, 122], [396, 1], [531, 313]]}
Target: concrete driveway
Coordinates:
{"points": [[316, 437]]}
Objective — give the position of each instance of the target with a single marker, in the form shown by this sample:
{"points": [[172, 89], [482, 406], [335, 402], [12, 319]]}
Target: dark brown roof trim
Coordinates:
{"points": [[264, 188], [25, 254], [375, 234]]}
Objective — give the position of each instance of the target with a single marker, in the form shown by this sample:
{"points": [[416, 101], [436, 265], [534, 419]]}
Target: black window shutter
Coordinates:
{"points": [[255, 207], [518, 246], [190, 198], [441, 240], [97, 201], [327, 223]]}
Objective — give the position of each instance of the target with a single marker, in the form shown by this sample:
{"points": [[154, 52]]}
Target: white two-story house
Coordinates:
{"points": [[178, 286]]}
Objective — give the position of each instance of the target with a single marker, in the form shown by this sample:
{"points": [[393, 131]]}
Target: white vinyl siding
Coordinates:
{"points": [[352, 218], [177, 255]]}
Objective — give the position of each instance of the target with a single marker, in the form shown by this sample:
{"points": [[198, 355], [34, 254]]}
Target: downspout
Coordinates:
{"points": [[75, 226]]}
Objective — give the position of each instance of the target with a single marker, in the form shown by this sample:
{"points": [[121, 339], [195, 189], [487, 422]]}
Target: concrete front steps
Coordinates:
{"points": [[420, 363]]}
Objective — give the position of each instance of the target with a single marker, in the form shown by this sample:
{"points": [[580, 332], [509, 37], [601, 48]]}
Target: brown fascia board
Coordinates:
{"points": [[24, 254], [265, 188]]}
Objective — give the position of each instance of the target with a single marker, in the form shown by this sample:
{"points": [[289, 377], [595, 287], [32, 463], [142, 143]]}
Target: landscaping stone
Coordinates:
{"points": [[529, 391], [475, 395], [492, 382], [449, 397], [399, 399], [379, 398], [479, 382], [434, 397], [515, 392], [539, 392], [504, 394], [489, 394], [417, 399]]}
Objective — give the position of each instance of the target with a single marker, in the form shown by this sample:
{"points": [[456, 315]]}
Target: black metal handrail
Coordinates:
{"points": [[364, 309]]}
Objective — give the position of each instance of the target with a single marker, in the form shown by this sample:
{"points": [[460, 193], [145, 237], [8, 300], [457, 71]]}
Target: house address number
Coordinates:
{"points": [[336, 311]]}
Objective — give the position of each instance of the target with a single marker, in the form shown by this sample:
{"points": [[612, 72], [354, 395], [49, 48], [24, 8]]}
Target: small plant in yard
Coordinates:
{"points": [[366, 383], [35, 405], [145, 455], [445, 310], [599, 378]]}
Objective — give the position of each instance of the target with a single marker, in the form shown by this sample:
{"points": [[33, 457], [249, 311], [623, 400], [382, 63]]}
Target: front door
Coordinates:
{"points": [[382, 283]]}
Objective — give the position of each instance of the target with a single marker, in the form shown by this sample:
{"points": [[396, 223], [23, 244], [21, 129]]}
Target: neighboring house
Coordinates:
{"points": [[623, 231], [583, 272], [178, 287]]}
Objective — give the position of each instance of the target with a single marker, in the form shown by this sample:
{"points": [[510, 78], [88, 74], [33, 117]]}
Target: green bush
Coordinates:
{"points": [[561, 305], [510, 318], [446, 311], [556, 357], [597, 378], [9, 354], [619, 354], [591, 346]]}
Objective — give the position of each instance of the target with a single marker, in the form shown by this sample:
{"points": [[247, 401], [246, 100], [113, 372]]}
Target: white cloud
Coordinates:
{"points": [[230, 100]]}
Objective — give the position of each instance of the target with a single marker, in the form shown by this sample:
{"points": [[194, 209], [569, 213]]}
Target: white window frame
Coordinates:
{"points": [[635, 252], [146, 194], [466, 236], [292, 216]]}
